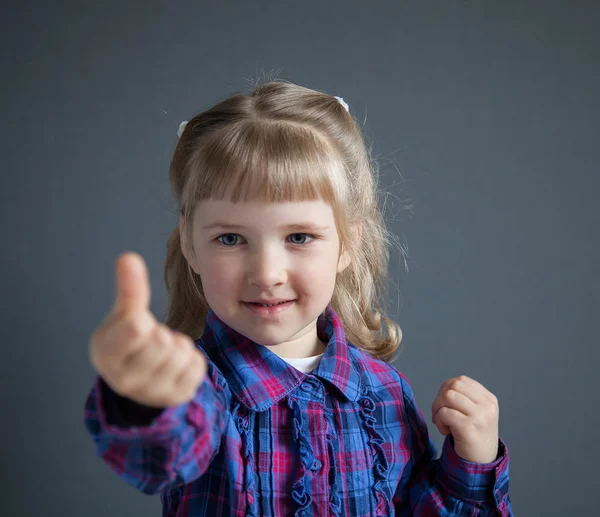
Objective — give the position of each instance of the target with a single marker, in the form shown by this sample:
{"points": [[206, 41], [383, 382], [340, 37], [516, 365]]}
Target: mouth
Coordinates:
{"points": [[266, 310]]}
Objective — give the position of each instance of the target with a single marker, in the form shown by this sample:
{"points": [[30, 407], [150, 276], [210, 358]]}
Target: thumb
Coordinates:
{"points": [[132, 285], [443, 428]]}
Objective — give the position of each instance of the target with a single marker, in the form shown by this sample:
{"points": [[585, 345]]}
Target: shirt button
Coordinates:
{"points": [[316, 465], [305, 386]]}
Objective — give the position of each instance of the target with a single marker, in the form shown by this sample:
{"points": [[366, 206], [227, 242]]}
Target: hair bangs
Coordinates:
{"points": [[269, 161]]}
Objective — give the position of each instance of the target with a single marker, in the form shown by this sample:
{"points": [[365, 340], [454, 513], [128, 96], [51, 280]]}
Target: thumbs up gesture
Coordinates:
{"points": [[138, 357]]}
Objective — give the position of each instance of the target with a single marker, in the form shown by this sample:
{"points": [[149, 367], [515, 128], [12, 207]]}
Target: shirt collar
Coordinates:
{"points": [[259, 377]]}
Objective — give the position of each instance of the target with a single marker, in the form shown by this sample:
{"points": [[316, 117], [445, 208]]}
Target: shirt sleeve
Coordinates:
{"points": [[154, 449], [448, 486]]}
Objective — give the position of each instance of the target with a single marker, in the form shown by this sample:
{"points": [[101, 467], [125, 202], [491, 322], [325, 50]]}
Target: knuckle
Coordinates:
{"points": [[165, 337], [457, 384], [132, 330], [160, 345], [162, 331], [182, 341]]}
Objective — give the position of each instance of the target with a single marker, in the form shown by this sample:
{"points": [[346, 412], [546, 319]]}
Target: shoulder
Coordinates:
{"points": [[376, 373]]}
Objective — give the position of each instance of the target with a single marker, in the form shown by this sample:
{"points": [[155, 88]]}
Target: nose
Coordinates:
{"points": [[267, 267]]}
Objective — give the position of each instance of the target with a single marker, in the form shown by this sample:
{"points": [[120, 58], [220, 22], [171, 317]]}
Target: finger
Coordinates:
{"points": [[190, 379], [120, 340], [453, 400], [468, 387], [448, 419], [139, 369], [132, 284], [453, 382], [165, 377], [160, 350]]}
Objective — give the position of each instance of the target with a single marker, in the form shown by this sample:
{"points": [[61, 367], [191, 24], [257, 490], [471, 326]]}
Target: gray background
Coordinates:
{"points": [[483, 114]]}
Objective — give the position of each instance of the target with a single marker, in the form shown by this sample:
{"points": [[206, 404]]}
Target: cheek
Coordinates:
{"points": [[318, 273], [219, 276]]}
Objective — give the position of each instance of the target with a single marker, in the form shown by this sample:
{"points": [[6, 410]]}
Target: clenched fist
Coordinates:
{"points": [[468, 411], [138, 357]]}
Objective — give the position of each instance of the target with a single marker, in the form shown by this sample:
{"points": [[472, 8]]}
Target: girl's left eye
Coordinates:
{"points": [[312, 237], [236, 236]]}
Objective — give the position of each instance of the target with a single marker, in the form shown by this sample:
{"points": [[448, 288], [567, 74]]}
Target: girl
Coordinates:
{"points": [[286, 402]]}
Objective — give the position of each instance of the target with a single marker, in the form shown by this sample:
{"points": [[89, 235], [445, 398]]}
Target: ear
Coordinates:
{"points": [[344, 260]]}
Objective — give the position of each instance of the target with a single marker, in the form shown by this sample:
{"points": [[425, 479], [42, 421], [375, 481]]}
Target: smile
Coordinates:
{"points": [[267, 310]]}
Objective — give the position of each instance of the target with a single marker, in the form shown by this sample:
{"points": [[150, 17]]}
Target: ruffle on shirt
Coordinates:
{"points": [[380, 462], [242, 417], [335, 502], [307, 456]]}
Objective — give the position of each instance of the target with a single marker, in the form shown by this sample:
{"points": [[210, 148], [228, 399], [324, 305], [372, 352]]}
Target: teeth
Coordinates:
{"points": [[272, 305]]}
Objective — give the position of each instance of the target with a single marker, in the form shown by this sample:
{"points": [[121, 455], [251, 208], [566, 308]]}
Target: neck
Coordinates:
{"points": [[297, 350]]}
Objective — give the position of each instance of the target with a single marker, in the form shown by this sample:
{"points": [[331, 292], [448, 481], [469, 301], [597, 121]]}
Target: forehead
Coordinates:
{"points": [[264, 213]]}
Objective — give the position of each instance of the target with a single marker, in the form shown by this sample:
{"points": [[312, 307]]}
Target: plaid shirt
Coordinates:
{"points": [[261, 438]]}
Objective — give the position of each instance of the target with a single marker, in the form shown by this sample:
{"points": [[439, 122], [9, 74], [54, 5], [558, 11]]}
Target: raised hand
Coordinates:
{"points": [[138, 357], [468, 411]]}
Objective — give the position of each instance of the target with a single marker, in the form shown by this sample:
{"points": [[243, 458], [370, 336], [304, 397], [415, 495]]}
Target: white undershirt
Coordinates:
{"points": [[304, 364]]}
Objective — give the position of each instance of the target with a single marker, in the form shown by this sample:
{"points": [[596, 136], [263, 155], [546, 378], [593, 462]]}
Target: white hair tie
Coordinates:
{"points": [[341, 101], [184, 123], [181, 128]]}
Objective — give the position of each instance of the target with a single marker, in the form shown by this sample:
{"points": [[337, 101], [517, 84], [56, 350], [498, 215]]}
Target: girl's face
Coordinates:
{"points": [[247, 251]]}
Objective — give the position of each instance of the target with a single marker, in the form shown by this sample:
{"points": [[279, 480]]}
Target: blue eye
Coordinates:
{"points": [[227, 235], [302, 235], [229, 240]]}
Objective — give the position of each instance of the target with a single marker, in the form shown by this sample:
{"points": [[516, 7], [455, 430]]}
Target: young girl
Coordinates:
{"points": [[286, 402]]}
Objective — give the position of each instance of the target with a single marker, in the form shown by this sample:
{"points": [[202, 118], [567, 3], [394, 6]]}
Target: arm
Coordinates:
{"points": [[156, 449], [448, 486]]}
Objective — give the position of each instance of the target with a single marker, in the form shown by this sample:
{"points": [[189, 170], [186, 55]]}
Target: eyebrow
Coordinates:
{"points": [[296, 226]]}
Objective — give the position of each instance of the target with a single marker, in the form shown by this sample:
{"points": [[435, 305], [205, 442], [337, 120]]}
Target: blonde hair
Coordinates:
{"points": [[284, 142]]}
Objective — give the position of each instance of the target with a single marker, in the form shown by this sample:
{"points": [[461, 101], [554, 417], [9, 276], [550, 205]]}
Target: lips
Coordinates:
{"points": [[267, 311], [272, 301], [267, 304]]}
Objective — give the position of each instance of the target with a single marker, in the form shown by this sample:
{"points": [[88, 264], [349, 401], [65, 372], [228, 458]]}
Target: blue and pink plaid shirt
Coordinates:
{"points": [[261, 438]]}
